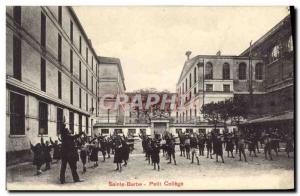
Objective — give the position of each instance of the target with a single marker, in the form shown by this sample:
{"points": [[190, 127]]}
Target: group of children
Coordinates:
{"points": [[192, 145], [42, 154], [87, 148]]}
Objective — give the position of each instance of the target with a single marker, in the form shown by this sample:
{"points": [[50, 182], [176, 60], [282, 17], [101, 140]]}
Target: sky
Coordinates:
{"points": [[151, 41]]}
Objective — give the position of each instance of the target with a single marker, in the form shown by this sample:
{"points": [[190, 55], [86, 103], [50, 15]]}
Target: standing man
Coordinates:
{"points": [[194, 149], [69, 155]]}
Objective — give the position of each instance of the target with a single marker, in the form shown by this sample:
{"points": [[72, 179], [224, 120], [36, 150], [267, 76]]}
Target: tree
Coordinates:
{"points": [[224, 110], [239, 109], [211, 113]]}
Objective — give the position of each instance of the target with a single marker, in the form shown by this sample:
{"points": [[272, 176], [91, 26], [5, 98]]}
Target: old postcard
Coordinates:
{"points": [[150, 98]]}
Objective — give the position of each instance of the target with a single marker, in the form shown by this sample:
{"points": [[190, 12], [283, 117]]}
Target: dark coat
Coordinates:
{"points": [[155, 154], [68, 146], [118, 152], [38, 154], [94, 153], [47, 152], [125, 151]]}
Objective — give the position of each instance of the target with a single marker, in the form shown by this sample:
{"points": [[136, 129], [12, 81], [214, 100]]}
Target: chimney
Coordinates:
{"points": [[188, 54]]}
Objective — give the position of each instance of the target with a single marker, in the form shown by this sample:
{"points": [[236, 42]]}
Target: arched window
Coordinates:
{"points": [[226, 71], [259, 71], [208, 71], [275, 52], [242, 71], [290, 44]]}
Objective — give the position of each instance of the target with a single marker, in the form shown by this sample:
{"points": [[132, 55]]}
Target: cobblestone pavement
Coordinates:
{"points": [[257, 173]]}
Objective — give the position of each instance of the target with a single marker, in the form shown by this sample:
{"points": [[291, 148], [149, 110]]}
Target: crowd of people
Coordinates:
{"points": [[70, 148], [192, 145]]}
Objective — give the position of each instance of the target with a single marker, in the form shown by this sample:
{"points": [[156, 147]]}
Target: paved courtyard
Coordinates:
{"points": [[257, 173]]}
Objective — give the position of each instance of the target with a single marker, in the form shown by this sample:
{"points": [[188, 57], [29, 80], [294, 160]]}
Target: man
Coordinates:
{"points": [[69, 155], [170, 146], [194, 144], [201, 143], [219, 148], [241, 145], [187, 146], [208, 142]]}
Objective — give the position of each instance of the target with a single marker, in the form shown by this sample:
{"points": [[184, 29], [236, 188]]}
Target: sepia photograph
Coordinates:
{"points": [[150, 98]]}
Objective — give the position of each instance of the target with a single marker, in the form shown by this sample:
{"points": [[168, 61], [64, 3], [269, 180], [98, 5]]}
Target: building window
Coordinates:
{"points": [[92, 104], [59, 84], [195, 91], [17, 58], [87, 55], [242, 71], [71, 31], [208, 71], [71, 92], [190, 79], [104, 131], [87, 78], [275, 52], [182, 88], [226, 87], [43, 118], [132, 131], [80, 71], [79, 97], [59, 120], [92, 83], [92, 63], [17, 114], [290, 44], [259, 71], [118, 131], [59, 48], [80, 44], [80, 123], [87, 125], [71, 121], [195, 74], [195, 112], [60, 15], [187, 115], [43, 74], [87, 102], [17, 14], [226, 71], [209, 87], [186, 85], [71, 61], [191, 114], [43, 29]]}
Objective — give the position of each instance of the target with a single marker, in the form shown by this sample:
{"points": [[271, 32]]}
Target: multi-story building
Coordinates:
{"points": [[262, 74], [213, 78], [275, 108], [51, 76], [111, 82]]}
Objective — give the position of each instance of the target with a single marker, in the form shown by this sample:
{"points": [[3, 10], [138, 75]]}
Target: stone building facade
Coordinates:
{"points": [[275, 108], [111, 82], [51, 76], [276, 48], [213, 78]]}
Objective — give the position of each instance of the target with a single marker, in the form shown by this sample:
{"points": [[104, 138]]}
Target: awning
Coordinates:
{"points": [[271, 118]]}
